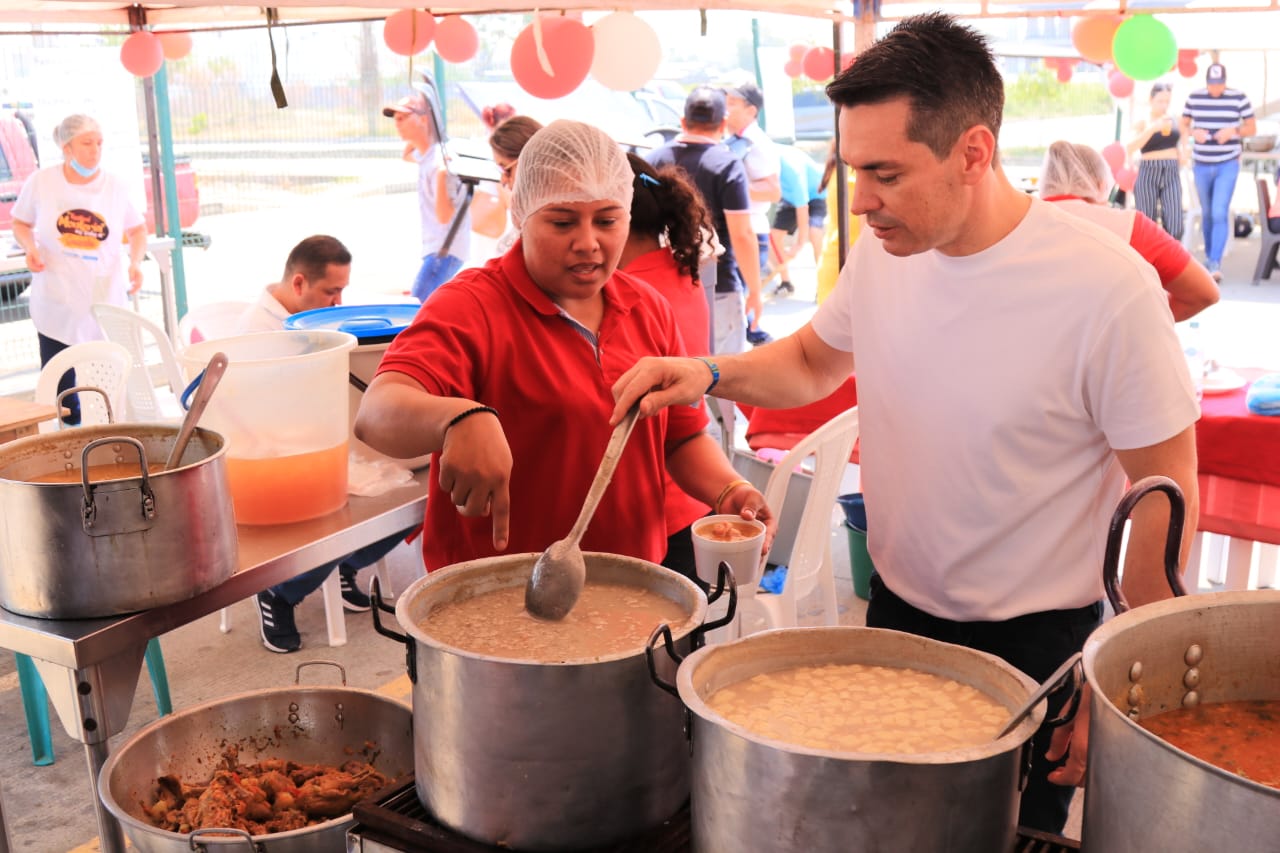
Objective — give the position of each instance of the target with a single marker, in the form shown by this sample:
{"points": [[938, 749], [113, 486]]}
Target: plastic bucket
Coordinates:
{"points": [[855, 527], [282, 407]]}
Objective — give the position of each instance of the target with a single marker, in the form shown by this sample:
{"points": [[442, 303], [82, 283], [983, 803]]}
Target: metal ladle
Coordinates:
{"points": [[1056, 680], [209, 380], [561, 572]]}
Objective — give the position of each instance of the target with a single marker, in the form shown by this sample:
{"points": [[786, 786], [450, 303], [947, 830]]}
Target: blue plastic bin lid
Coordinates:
{"points": [[371, 324]]}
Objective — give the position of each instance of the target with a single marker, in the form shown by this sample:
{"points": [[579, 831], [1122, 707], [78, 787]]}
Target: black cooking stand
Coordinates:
{"points": [[395, 818]]}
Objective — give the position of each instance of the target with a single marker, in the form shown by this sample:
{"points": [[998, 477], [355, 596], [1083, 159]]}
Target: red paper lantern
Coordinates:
{"points": [[1051, 62], [1064, 71], [141, 54], [797, 51], [456, 39], [1119, 84], [1126, 178], [1188, 68], [847, 61], [1092, 36], [569, 47], [409, 31], [175, 45], [793, 68], [819, 63]]}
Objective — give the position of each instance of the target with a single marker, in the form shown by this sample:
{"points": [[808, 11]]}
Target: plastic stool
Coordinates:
{"points": [[35, 699]]}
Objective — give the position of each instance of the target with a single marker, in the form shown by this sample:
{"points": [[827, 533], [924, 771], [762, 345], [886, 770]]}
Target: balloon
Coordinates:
{"points": [[175, 46], [797, 52], [793, 68], [1065, 70], [141, 54], [1114, 155], [456, 39], [1144, 48], [1126, 178], [409, 31], [1188, 69], [569, 49], [847, 61], [819, 63], [1092, 36], [1119, 85], [627, 52]]}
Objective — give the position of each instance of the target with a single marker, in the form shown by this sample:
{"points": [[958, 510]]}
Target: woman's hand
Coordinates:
{"points": [[135, 278], [747, 502], [35, 262], [475, 471]]}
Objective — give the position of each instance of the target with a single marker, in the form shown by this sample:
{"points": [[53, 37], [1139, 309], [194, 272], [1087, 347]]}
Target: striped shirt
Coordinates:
{"points": [[1230, 109]]}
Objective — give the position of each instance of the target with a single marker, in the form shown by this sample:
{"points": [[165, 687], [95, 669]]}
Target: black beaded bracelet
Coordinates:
{"points": [[474, 410]]}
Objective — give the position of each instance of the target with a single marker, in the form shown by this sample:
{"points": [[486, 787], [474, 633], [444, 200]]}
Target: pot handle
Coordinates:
{"points": [[89, 510], [106, 401], [410, 648], [215, 831], [1172, 545], [297, 672], [663, 631], [724, 581]]}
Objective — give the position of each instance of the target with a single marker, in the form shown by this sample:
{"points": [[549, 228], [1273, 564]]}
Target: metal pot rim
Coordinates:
{"points": [[695, 702], [12, 450], [459, 572]]}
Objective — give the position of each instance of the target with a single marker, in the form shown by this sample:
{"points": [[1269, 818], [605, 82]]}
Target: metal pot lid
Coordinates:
{"points": [[371, 324]]}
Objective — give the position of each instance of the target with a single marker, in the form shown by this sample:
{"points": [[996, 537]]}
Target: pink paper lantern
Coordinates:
{"points": [[409, 31], [793, 69], [456, 39], [569, 47], [141, 54], [1126, 178], [627, 52], [1119, 84], [819, 63], [1064, 71], [1113, 154], [797, 51], [175, 45]]}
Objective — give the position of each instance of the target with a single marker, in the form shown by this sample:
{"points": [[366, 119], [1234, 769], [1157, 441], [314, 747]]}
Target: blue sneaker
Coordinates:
{"points": [[756, 337]]}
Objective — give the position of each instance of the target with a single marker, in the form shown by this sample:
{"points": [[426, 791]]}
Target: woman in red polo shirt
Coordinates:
{"points": [[505, 376]]}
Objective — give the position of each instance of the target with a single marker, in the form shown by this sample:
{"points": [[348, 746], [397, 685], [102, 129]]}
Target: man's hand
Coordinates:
{"points": [[35, 263], [1200, 135], [661, 382], [475, 472], [1072, 740], [135, 278]]}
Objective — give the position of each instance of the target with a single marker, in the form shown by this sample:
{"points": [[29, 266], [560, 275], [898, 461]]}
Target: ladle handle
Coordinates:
{"points": [[1068, 667], [612, 453], [1172, 545], [209, 379]]}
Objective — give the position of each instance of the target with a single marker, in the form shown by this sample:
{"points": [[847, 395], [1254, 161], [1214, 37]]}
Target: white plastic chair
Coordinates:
{"points": [[100, 364], [810, 565], [210, 321], [138, 334]]}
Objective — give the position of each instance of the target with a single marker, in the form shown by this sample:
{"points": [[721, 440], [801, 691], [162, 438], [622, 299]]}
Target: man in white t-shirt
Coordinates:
{"points": [[1015, 364], [316, 272]]}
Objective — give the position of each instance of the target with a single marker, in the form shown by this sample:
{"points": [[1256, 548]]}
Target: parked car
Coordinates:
{"points": [[815, 117]]}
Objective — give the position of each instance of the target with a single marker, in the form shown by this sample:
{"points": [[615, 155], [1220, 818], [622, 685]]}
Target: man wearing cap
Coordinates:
{"points": [[438, 196], [722, 180], [743, 103], [1215, 119]]}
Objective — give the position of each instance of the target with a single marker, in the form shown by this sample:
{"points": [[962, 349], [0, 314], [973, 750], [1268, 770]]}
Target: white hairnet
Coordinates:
{"points": [[568, 161], [1073, 169], [74, 125]]}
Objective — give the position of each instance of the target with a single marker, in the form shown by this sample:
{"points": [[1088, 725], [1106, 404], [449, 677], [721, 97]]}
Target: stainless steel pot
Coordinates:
{"points": [[323, 725], [1141, 793], [83, 550], [753, 793], [544, 756]]}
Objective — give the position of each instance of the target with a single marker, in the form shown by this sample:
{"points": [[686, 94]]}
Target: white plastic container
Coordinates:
{"points": [[283, 408]]}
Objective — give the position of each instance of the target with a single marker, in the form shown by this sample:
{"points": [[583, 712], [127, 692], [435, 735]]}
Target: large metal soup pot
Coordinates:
{"points": [[754, 793], [82, 549], [545, 755], [309, 725]]}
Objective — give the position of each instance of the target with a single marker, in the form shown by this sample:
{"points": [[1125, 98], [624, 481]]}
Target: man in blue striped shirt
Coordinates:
{"points": [[1215, 119]]}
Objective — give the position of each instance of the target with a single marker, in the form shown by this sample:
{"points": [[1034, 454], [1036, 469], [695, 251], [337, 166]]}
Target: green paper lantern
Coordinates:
{"points": [[1144, 48]]}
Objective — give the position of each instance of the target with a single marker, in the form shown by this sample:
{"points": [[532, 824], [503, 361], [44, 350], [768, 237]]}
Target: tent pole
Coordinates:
{"points": [[175, 300]]}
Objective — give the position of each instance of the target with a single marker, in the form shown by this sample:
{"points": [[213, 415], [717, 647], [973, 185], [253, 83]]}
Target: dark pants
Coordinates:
{"points": [[679, 556], [1037, 644], [294, 590], [48, 349]]}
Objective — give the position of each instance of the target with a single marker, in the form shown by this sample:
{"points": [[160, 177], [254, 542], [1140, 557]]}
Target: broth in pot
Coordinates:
{"points": [[97, 473]]}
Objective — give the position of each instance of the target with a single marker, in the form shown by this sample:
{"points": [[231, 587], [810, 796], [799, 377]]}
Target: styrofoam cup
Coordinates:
{"points": [[742, 555]]}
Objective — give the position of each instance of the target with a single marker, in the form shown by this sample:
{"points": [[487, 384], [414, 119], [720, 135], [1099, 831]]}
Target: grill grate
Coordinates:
{"points": [[1032, 841]]}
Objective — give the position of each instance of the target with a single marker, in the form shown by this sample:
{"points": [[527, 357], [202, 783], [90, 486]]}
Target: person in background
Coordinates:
{"points": [[664, 248], [496, 114], [439, 194], [1158, 190], [506, 383], [759, 154], [493, 214], [721, 180], [71, 221], [1273, 214], [315, 274], [1214, 120], [1077, 178], [799, 214], [1015, 365]]}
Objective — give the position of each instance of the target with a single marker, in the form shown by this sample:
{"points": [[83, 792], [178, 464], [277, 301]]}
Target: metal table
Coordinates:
{"points": [[90, 667]]}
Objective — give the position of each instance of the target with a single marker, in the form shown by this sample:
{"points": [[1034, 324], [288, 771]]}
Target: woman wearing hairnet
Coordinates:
{"points": [[1076, 177], [72, 220], [505, 375]]}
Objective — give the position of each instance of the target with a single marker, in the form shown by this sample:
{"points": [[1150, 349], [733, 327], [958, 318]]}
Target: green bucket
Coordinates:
{"points": [[859, 561]]}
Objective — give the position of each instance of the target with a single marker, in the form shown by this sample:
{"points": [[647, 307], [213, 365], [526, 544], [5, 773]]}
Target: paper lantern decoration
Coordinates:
{"points": [[141, 54], [1187, 66], [847, 61], [409, 31], [1144, 48], [819, 63], [175, 46], [794, 68], [1119, 85], [1064, 71], [627, 52], [568, 49], [456, 39], [1092, 36], [797, 51], [1114, 155], [1126, 178]]}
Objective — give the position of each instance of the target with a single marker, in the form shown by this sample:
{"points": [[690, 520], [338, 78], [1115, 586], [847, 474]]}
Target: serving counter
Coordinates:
{"points": [[90, 667]]}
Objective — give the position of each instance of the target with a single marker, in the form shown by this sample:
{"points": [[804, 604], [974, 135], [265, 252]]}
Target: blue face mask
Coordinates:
{"points": [[81, 170]]}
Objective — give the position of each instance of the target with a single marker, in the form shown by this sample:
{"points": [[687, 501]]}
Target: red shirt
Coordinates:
{"points": [[1143, 235], [491, 335]]}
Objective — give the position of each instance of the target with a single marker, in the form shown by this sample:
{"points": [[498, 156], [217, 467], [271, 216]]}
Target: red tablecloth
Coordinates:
{"points": [[783, 428]]}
